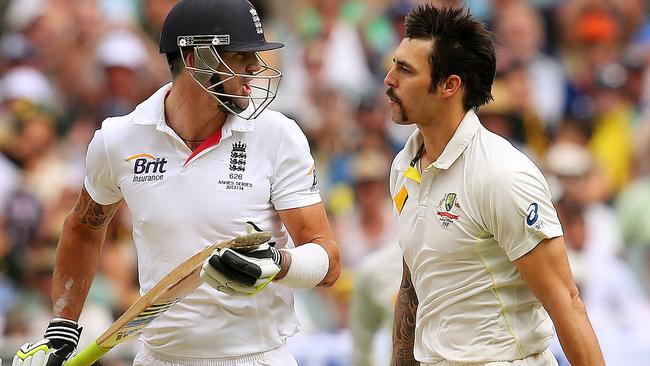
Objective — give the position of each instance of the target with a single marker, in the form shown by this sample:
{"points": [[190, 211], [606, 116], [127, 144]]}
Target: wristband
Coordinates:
{"points": [[62, 331], [309, 266]]}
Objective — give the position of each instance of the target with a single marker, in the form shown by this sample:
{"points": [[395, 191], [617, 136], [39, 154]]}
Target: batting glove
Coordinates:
{"points": [[60, 340], [242, 272]]}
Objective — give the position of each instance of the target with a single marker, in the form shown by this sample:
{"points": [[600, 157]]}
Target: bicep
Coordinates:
{"points": [[546, 271]]}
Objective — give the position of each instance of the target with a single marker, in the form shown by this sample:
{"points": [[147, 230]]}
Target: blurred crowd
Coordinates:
{"points": [[572, 91]]}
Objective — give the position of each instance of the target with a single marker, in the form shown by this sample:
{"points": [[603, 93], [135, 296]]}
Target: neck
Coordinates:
{"points": [[191, 112], [438, 130]]}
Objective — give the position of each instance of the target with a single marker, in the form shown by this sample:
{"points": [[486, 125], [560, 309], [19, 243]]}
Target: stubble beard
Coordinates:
{"points": [[403, 116]]}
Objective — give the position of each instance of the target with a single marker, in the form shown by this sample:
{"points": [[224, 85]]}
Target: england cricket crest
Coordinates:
{"points": [[257, 21], [448, 210], [236, 180], [238, 157]]}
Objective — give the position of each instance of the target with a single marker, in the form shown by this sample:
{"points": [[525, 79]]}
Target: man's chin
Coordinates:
{"points": [[400, 120], [240, 103]]}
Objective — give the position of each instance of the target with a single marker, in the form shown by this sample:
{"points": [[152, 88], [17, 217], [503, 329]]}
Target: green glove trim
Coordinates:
{"points": [[22, 355]]}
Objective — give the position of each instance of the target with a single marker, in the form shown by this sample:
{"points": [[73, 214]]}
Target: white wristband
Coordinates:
{"points": [[309, 265]]}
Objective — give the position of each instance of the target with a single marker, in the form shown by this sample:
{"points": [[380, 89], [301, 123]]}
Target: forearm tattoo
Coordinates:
{"points": [[92, 213], [404, 323]]}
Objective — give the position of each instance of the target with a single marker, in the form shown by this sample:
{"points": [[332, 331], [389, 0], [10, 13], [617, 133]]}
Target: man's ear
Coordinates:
{"points": [[451, 86], [189, 57]]}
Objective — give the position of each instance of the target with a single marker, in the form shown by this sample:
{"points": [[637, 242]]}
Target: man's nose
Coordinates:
{"points": [[253, 66], [389, 79]]}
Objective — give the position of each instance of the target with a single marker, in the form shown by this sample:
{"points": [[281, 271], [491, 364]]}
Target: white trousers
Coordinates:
{"points": [[545, 358], [276, 357]]}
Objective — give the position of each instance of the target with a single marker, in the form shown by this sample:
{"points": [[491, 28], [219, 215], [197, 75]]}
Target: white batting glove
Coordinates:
{"points": [[60, 340], [239, 272]]}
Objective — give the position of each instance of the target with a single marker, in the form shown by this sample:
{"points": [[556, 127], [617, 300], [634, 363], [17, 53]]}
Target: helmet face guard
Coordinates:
{"points": [[263, 83]]}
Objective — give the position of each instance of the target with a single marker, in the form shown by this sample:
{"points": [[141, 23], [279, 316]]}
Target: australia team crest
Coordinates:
{"points": [[448, 209]]}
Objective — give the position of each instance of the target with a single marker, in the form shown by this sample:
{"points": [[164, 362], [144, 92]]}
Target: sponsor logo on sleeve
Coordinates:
{"points": [[147, 168], [532, 217], [314, 182]]}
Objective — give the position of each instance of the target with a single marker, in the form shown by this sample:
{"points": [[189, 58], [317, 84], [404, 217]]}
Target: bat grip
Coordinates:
{"points": [[87, 356]]}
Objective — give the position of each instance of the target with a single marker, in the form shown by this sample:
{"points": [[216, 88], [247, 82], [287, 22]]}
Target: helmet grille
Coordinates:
{"points": [[215, 40]]}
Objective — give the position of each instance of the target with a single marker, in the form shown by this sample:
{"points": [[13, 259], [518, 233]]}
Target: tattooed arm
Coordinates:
{"points": [[404, 322], [78, 254]]}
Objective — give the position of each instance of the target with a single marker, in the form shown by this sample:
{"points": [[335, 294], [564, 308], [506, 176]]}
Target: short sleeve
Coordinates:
{"points": [[520, 213], [99, 182], [295, 183]]}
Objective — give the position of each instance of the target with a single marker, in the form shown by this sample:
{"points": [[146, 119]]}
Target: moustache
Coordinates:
{"points": [[391, 94]]}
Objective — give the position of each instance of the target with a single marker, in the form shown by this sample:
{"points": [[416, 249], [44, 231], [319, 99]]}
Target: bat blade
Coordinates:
{"points": [[178, 283]]}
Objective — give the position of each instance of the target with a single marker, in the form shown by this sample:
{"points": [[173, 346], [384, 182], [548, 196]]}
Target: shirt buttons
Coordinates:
{"points": [[422, 211]]}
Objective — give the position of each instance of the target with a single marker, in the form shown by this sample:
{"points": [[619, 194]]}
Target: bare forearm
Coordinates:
{"points": [[576, 335], [77, 256], [76, 260], [404, 323], [310, 225]]}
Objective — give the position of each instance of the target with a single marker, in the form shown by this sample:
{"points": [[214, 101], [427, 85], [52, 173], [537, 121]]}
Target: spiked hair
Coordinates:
{"points": [[461, 46]]}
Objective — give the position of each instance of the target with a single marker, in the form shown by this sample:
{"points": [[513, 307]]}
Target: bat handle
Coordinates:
{"points": [[87, 356]]}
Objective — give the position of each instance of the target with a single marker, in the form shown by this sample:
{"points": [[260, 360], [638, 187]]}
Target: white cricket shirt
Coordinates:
{"points": [[182, 201], [479, 206]]}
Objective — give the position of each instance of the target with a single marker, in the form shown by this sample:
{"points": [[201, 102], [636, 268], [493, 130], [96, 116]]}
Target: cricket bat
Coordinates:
{"points": [[178, 283]]}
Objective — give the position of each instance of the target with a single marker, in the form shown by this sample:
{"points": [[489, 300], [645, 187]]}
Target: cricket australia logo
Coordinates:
{"points": [[238, 157], [147, 168], [448, 209], [256, 21]]}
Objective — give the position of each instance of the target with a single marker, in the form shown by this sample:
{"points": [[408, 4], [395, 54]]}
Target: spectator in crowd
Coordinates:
{"points": [[520, 34], [370, 225], [616, 303], [373, 304]]}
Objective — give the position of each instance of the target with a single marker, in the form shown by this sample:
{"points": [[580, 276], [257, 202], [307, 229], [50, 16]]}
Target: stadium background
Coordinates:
{"points": [[572, 91]]}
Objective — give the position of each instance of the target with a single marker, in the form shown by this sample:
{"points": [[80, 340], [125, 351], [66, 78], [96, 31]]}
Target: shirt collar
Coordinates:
{"points": [[466, 130], [152, 112], [459, 141]]}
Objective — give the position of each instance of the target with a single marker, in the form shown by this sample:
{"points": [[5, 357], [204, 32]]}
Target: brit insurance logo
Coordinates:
{"points": [[147, 168], [448, 209]]}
